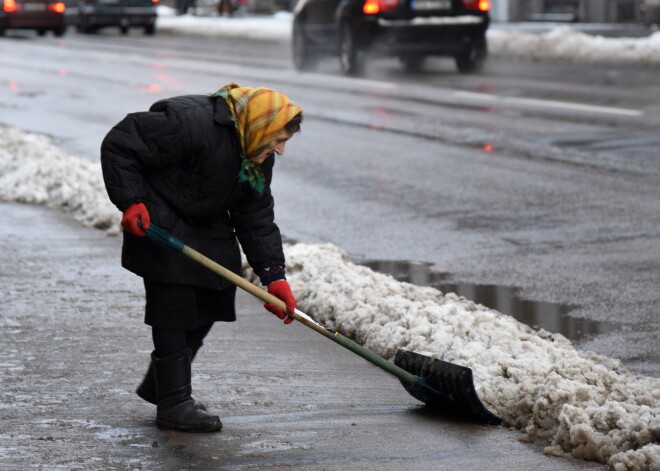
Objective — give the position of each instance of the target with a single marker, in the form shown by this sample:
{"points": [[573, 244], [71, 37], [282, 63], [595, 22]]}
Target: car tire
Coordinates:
{"points": [[412, 62], [59, 32], [41, 32], [473, 59], [150, 30], [123, 30], [351, 57], [303, 56]]}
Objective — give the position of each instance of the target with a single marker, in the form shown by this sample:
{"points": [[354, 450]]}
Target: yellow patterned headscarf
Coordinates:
{"points": [[259, 114]]}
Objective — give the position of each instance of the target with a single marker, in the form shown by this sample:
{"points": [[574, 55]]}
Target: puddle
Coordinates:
{"points": [[549, 316]]}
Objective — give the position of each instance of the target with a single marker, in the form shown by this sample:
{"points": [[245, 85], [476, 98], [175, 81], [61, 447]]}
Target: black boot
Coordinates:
{"points": [[176, 409], [147, 388]]}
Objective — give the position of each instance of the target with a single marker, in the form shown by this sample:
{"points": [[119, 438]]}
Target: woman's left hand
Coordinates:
{"points": [[281, 290]]}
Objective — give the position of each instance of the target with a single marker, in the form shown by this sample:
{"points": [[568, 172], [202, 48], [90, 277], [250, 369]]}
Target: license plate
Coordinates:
{"points": [[33, 6], [431, 4]]}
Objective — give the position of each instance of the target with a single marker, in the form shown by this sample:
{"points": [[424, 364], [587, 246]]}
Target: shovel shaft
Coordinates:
{"points": [[158, 234]]}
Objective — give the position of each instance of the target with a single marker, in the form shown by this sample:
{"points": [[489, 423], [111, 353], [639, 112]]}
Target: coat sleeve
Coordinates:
{"points": [[254, 222], [140, 143]]}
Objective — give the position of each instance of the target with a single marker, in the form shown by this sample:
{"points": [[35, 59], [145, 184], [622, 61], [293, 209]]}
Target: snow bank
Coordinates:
{"points": [[33, 170], [260, 28], [577, 403], [566, 44]]}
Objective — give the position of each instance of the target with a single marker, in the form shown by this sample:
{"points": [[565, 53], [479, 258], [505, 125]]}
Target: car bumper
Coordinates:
{"points": [[429, 36], [28, 20], [119, 17]]}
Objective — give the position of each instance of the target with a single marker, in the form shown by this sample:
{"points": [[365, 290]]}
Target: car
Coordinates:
{"points": [[124, 14], [411, 30], [39, 15]]}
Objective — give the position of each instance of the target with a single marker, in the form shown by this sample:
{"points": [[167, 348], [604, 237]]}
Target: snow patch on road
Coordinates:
{"points": [[578, 404]]}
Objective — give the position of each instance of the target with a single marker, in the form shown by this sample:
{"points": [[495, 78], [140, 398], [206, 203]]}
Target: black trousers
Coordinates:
{"points": [[179, 307], [181, 316], [169, 341]]}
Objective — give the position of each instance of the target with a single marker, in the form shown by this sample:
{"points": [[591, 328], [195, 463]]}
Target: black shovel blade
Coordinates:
{"points": [[443, 386]]}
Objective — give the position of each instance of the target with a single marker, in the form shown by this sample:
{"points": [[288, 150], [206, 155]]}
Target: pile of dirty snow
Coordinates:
{"points": [[567, 44], [34, 170], [577, 403]]}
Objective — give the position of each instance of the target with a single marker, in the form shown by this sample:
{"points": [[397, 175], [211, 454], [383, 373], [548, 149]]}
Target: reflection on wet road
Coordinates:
{"points": [[552, 317]]}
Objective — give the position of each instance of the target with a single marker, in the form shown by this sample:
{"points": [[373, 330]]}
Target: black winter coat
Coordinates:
{"points": [[181, 159]]}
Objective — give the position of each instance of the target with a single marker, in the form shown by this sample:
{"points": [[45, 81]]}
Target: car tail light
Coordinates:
{"points": [[10, 6], [371, 7], [58, 7], [154, 1], [480, 5]]}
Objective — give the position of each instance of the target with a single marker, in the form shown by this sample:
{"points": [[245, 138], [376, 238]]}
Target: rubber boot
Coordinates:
{"points": [[147, 388], [175, 407]]}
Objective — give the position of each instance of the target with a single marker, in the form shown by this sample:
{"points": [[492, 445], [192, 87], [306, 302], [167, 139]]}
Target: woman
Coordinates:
{"points": [[200, 167]]}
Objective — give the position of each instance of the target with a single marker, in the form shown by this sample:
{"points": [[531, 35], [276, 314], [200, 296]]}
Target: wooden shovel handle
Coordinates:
{"points": [[156, 233]]}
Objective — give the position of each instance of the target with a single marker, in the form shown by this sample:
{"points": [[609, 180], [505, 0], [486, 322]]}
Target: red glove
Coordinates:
{"points": [[281, 289], [134, 213]]}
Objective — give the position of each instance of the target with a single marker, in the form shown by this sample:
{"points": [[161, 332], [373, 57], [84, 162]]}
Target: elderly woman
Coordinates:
{"points": [[200, 167]]}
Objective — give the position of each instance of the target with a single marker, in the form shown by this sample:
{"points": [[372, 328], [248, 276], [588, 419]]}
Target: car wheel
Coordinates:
{"points": [[59, 32], [41, 32], [350, 55], [473, 59], [123, 29], [150, 30], [303, 56], [412, 62]]}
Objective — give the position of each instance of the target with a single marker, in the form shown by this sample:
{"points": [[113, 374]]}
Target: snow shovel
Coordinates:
{"points": [[442, 386]]}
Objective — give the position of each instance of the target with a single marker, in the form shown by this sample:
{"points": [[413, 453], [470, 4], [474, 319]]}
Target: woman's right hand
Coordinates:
{"points": [[136, 219], [281, 290]]}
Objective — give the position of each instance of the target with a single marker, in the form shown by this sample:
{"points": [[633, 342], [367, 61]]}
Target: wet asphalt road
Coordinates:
{"points": [[74, 348]]}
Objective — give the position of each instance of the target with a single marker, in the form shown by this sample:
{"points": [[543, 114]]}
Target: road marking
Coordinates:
{"points": [[550, 104]]}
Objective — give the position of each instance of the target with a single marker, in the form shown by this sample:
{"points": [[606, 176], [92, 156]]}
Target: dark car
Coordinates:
{"points": [[40, 15], [408, 29], [124, 14]]}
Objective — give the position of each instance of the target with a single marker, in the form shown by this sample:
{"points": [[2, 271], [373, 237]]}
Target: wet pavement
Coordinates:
{"points": [[74, 348]]}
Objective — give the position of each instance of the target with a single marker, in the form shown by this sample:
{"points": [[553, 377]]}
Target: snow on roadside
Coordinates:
{"points": [[566, 44], [576, 403], [33, 170], [261, 28]]}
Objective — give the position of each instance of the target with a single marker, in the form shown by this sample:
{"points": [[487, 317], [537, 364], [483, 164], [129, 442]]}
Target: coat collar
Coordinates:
{"points": [[221, 112]]}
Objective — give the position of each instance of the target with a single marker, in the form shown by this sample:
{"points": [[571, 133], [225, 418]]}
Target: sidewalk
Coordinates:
{"points": [[74, 348]]}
